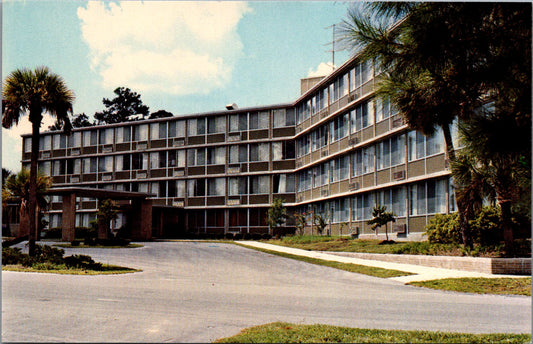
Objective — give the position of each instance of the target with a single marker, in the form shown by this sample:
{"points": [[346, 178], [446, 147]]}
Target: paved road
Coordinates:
{"points": [[198, 292]]}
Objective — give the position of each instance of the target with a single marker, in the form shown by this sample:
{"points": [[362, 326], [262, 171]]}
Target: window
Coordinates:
{"points": [[304, 180], [259, 120], [355, 77], [139, 161], [282, 150], [338, 169], [216, 187], [154, 160], [368, 160], [140, 132], [216, 124], [105, 164], [27, 144], [398, 201], [45, 167], [259, 184], [59, 167], [196, 126], [60, 141], [237, 186], [282, 183], [339, 127], [420, 146], [216, 155], [176, 129], [74, 166], [303, 146], [357, 163], [451, 196], [397, 150], [90, 138], [320, 137], [361, 117], [196, 187], [238, 154], [368, 205], [383, 154], [417, 199], [283, 118], [106, 136], [196, 157], [436, 196], [238, 122], [158, 130], [123, 134], [45, 142], [259, 152], [74, 139], [340, 210], [382, 108], [89, 165], [366, 71], [321, 173], [176, 158]]}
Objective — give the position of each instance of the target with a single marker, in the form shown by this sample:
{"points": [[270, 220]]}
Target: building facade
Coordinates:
{"points": [[337, 151]]}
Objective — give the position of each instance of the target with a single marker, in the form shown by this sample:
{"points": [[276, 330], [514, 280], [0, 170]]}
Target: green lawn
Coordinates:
{"points": [[361, 269], [62, 270], [507, 286], [346, 244], [291, 333]]}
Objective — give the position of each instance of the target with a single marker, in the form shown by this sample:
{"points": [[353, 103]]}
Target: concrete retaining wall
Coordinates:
{"points": [[511, 266]]}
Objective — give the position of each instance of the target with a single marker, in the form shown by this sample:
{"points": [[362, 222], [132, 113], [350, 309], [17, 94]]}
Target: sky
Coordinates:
{"points": [[182, 57]]}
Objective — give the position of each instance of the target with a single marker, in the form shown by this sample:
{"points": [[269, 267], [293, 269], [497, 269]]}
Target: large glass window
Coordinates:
{"points": [[45, 167], [196, 126], [238, 153], [259, 120], [123, 134], [368, 159], [383, 155], [361, 117], [196, 187], [382, 108], [282, 150], [176, 129], [45, 142], [60, 141], [74, 139], [216, 155], [196, 157], [397, 150], [238, 122], [139, 161], [259, 152], [339, 127], [176, 158], [237, 186], [106, 136], [320, 137], [259, 184], [420, 146], [398, 201], [216, 187], [59, 167], [140, 132], [89, 165], [367, 71], [216, 124], [282, 183], [105, 164], [158, 130]]}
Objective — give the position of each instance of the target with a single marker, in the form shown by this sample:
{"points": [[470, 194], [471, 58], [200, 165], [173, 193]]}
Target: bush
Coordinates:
{"points": [[53, 233], [237, 236], [80, 261], [11, 255], [45, 253], [486, 227], [113, 242], [266, 236], [247, 236], [444, 229], [256, 236], [229, 236]]}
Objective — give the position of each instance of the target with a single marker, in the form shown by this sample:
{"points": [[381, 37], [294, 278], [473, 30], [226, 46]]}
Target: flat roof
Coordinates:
{"points": [[98, 193]]}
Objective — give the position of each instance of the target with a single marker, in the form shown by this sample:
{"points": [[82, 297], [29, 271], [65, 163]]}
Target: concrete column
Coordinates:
{"points": [[141, 219], [68, 226]]}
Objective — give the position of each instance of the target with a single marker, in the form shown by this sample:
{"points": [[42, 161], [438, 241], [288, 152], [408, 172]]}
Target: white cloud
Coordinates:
{"points": [[177, 47], [323, 69]]}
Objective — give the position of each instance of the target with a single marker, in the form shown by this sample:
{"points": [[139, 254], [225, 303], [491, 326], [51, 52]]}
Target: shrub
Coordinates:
{"points": [[229, 236], [256, 236], [47, 266], [45, 253], [81, 261], [247, 236], [444, 229], [486, 227], [52, 233], [237, 236], [266, 236], [11, 255]]}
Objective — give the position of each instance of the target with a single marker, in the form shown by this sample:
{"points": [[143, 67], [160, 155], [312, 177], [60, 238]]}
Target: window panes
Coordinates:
{"points": [[216, 155], [216, 187], [105, 164], [89, 165], [237, 186], [45, 167], [238, 122], [196, 157], [238, 154], [259, 184], [176, 158], [259, 152], [45, 142], [259, 120], [27, 144], [196, 187], [176, 129], [196, 126], [216, 124]]}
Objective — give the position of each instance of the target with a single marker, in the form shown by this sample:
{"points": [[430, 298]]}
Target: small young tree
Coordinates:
{"points": [[381, 217], [320, 222], [107, 211], [277, 214], [301, 222]]}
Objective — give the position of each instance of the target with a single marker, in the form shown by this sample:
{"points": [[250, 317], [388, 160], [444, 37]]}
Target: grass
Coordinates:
{"points": [[360, 269], [507, 286], [344, 244], [292, 333], [63, 270], [97, 246]]}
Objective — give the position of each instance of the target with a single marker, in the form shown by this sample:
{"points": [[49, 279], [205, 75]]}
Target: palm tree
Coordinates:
{"points": [[442, 61], [486, 169], [381, 217], [33, 92], [17, 187]]}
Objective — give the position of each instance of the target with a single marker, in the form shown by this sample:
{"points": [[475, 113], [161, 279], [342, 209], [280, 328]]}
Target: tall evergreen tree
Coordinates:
{"points": [[121, 108]]}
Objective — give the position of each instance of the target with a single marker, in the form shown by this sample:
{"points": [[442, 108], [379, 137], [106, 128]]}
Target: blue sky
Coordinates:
{"points": [[182, 57]]}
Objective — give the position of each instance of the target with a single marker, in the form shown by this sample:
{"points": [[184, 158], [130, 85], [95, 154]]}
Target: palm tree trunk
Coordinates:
{"points": [[32, 201], [507, 226], [463, 220]]}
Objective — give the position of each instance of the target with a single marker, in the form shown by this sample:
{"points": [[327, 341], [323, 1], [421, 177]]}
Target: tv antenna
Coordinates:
{"points": [[332, 43]]}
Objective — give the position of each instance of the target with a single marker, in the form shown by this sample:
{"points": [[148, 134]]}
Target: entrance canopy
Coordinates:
{"points": [[141, 213]]}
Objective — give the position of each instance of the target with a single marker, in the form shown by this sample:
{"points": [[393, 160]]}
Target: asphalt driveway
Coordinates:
{"points": [[198, 292]]}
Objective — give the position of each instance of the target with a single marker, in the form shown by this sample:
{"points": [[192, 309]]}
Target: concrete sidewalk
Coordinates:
{"points": [[420, 273]]}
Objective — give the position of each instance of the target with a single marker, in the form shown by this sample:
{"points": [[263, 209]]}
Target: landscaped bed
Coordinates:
{"points": [[292, 333], [346, 244], [50, 259]]}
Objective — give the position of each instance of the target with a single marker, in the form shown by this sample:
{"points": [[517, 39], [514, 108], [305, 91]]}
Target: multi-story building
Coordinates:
{"points": [[337, 150]]}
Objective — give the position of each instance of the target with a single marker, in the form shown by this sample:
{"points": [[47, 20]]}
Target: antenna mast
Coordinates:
{"points": [[333, 39]]}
